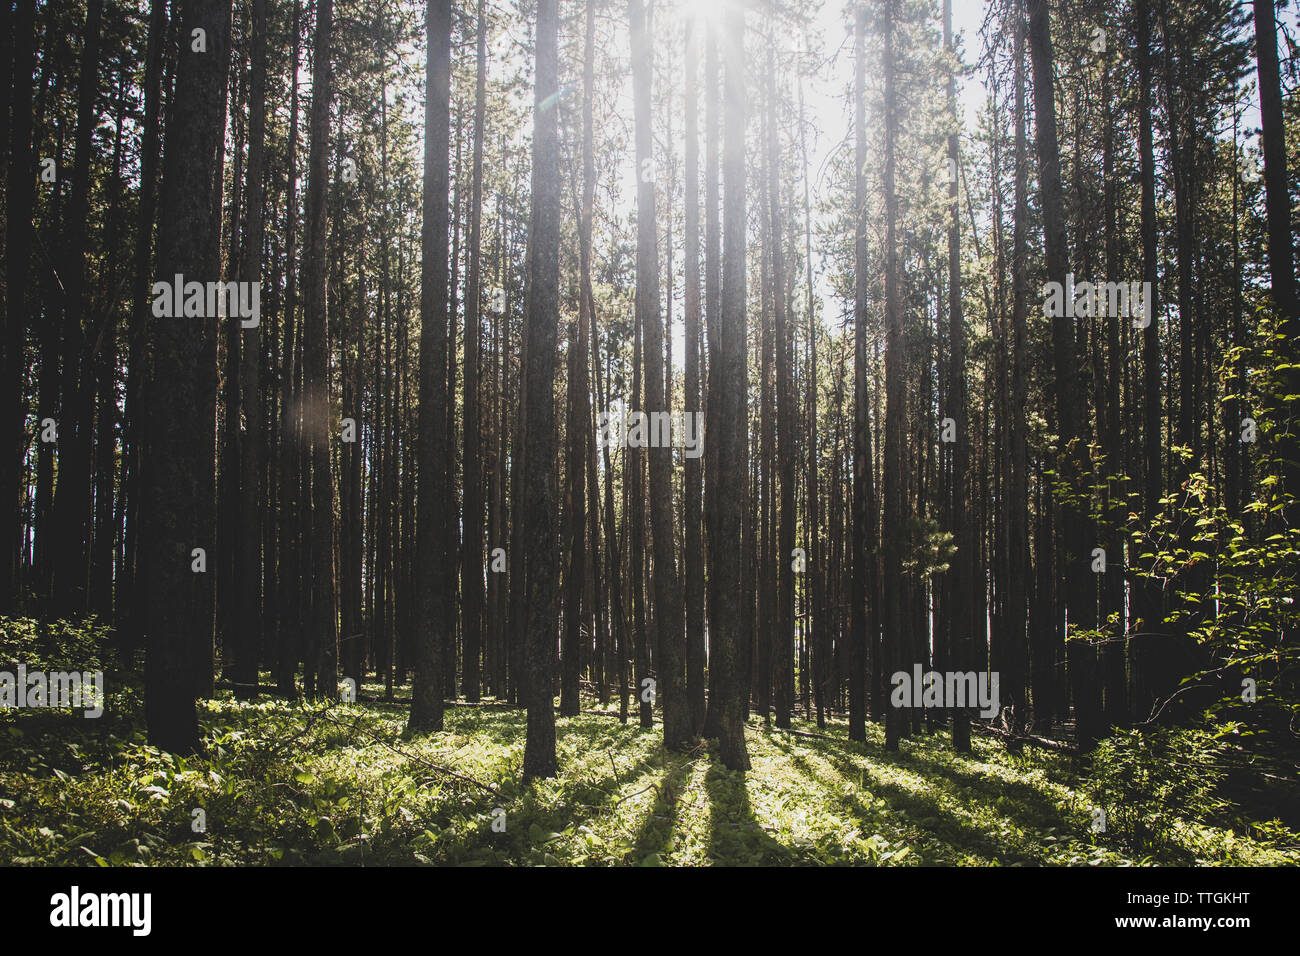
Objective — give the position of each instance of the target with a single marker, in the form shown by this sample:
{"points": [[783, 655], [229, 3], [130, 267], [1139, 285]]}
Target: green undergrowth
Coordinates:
{"points": [[282, 784]]}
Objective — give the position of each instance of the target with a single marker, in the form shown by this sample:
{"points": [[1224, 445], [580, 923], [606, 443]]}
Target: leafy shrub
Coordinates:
{"points": [[1148, 780], [56, 646]]}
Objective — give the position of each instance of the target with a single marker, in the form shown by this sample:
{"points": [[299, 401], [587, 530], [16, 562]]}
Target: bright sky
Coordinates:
{"points": [[828, 109], [824, 95]]}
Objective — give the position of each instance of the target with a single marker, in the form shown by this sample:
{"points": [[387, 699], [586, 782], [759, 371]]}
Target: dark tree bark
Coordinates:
{"points": [[712, 395], [667, 595], [248, 598], [765, 479], [693, 552], [862, 594], [180, 472], [289, 623], [819, 639], [541, 556], [1280, 254], [102, 362], [138, 358], [575, 513], [20, 201], [727, 421], [894, 626], [72, 496], [472, 563], [1017, 525], [435, 493], [587, 316], [963, 612], [634, 513], [783, 644], [321, 583], [1076, 535]]}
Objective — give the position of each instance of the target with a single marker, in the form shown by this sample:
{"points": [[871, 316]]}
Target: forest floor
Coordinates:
{"points": [[281, 783]]}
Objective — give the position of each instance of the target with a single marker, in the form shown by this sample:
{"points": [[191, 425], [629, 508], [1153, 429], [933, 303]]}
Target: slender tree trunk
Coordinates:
{"points": [[587, 316], [819, 638], [575, 512], [472, 565], [320, 585], [20, 315], [895, 625], [1280, 254], [712, 301], [1018, 498], [783, 645], [540, 552], [1076, 535], [249, 573], [435, 494], [138, 358], [102, 361], [862, 595], [964, 612], [727, 420], [1148, 593], [179, 477], [765, 556], [667, 595], [289, 626], [693, 552], [73, 494]]}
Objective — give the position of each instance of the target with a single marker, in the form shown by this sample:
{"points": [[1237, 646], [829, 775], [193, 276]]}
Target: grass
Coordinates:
{"points": [[285, 784]]}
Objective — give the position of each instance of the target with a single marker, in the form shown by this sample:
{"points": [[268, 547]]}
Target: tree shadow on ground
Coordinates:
{"points": [[918, 807], [655, 833], [1023, 803], [736, 838]]}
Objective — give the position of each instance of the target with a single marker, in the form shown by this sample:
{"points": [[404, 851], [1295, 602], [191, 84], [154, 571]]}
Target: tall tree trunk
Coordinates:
{"points": [[139, 360], [180, 472], [1148, 593], [103, 360], [472, 564], [1075, 533], [819, 639], [587, 316], [693, 552], [667, 596], [896, 632], [727, 424], [289, 624], [541, 555], [248, 558], [783, 644], [20, 201], [435, 494], [73, 494], [575, 512], [316, 350], [1018, 570], [712, 394], [963, 612], [1280, 255], [862, 594], [766, 556]]}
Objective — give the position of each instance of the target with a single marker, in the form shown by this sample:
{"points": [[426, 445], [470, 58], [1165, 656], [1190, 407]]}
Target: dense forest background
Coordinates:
{"points": [[368, 502]]}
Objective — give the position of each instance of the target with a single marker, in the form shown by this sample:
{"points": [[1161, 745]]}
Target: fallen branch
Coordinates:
{"points": [[1046, 743]]}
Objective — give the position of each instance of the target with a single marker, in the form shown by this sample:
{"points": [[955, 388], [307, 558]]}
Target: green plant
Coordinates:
{"points": [[1147, 781]]}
